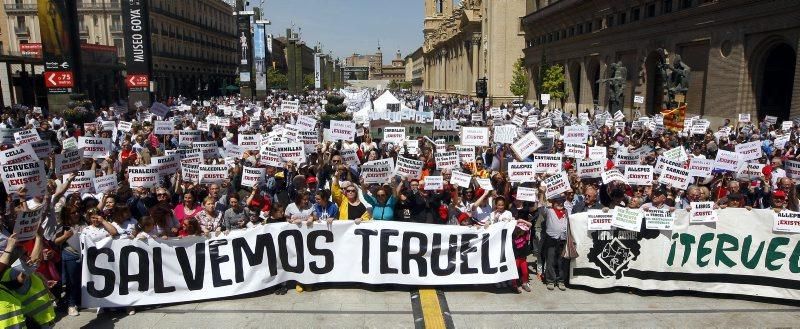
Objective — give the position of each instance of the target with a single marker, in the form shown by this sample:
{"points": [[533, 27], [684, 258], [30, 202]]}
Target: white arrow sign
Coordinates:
{"points": [[50, 78]]}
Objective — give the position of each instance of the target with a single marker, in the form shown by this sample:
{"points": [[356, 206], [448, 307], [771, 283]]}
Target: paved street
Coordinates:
{"points": [[471, 307]]}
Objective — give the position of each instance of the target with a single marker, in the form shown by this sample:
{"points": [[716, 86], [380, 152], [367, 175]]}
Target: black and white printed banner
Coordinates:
{"points": [[127, 272], [757, 259]]}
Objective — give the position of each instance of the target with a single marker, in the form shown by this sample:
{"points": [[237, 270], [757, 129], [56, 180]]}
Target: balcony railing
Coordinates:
{"points": [[23, 30], [12, 8], [116, 28]]}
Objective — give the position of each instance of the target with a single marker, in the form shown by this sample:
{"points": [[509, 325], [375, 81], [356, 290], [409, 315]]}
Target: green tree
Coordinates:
{"points": [[276, 79], [393, 85], [519, 81], [308, 81], [406, 85], [554, 83]]}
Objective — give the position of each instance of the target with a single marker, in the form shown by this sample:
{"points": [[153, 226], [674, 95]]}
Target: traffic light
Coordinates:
{"points": [[481, 88]]}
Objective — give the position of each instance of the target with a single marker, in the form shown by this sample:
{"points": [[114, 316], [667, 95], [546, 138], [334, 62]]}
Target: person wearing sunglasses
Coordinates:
{"points": [[346, 196]]}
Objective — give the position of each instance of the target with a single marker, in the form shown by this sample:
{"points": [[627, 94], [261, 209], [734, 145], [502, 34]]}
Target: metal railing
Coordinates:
{"points": [[17, 7]]}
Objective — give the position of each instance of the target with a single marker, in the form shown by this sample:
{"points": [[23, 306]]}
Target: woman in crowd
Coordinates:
{"points": [[209, 218]]}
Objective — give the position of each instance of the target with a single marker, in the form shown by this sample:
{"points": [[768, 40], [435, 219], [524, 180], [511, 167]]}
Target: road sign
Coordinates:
{"points": [[58, 79], [137, 81]]}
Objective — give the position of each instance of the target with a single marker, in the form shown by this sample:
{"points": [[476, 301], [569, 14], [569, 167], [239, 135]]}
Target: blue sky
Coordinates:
{"points": [[348, 26]]}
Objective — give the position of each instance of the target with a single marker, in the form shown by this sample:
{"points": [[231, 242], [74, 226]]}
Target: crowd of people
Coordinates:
{"points": [[327, 188]]}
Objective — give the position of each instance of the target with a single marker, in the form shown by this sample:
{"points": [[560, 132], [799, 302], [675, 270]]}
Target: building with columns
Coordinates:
{"points": [[742, 53], [475, 40]]}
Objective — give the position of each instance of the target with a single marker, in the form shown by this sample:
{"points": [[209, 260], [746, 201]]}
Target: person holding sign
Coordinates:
{"points": [[350, 206], [382, 202]]}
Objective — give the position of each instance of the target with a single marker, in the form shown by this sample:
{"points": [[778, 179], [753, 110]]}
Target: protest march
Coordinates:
{"points": [[227, 196]]}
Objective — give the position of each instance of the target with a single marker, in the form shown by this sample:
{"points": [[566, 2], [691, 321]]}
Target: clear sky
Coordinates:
{"points": [[350, 26]]}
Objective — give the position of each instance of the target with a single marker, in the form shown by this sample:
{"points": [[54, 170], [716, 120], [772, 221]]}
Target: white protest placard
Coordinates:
{"points": [[20, 154], [484, 183], [30, 175], [234, 151], [69, 143], [411, 146], [434, 183], [378, 171], [159, 109], [505, 134], [343, 130], [749, 151], [639, 175], [787, 221], [702, 212], [599, 220], [659, 219], [726, 160], [212, 174], [744, 117], [576, 134], [577, 151], [612, 175], [527, 194], [252, 177], [661, 162], [787, 125], [476, 117], [124, 126], [547, 163], [28, 222], [556, 184], [394, 135], [95, 148], [459, 178], [68, 162], [638, 99], [82, 183], [526, 145], [792, 168], [519, 172], [545, 99], [590, 168], [475, 136], [250, 142], [189, 137], [26, 136], [674, 176], [441, 146], [294, 152], [699, 167], [597, 152], [105, 184], [209, 149], [466, 154], [676, 154], [518, 120], [306, 123], [409, 168], [627, 219], [42, 148], [146, 176], [771, 119], [447, 160], [270, 158], [167, 165], [163, 127], [624, 160]]}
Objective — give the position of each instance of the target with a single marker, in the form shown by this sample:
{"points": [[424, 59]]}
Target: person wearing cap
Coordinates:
{"points": [[555, 239], [778, 200]]}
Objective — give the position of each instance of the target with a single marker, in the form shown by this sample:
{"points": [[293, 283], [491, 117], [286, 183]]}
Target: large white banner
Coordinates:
{"points": [[127, 272], [726, 257]]}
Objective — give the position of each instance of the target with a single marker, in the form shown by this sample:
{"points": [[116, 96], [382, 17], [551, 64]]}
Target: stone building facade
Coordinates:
{"points": [[194, 43], [742, 53], [415, 68], [475, 40]]}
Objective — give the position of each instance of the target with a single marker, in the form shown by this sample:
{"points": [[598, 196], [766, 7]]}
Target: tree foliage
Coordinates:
{"points": [[308, 81], [276, 79], [554, 82], [519, 81]]}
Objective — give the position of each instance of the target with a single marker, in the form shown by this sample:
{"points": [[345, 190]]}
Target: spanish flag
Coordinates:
{"points": [[673, 119]]}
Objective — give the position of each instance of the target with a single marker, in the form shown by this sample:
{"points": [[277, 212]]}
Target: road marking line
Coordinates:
{"points": [[431, 309]]}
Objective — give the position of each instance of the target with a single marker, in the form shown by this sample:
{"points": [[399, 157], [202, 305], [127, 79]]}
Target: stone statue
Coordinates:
{"points": [[675, 76], [618, 74]]}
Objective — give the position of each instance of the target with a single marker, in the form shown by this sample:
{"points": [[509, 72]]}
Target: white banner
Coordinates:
{"points": [[434, 183], [639, 175], [590, 168], [163, 127], [627, 219], [105, 184], [598, 220], [446, 160], [749, 151], [252, 177], [20, 154], [475, 136], [576, 134], [460, 179], [547, 163], [146, 177], [699, 167], [526, 145], [394, 135], [576, 151], [188, 137], [675, 177], [556, 184], [378, 171], [95, 148], [726, 160], [26, 136], [250, 142], [527, 194], [408, 168], [727, 257], [505, 134], [212, 174], [291, 152], [69, 161], [82, 183], [702, 212], [244, 261], [342, 130], [30, 175], [519, 172], [659, 219], [167, 165]]}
